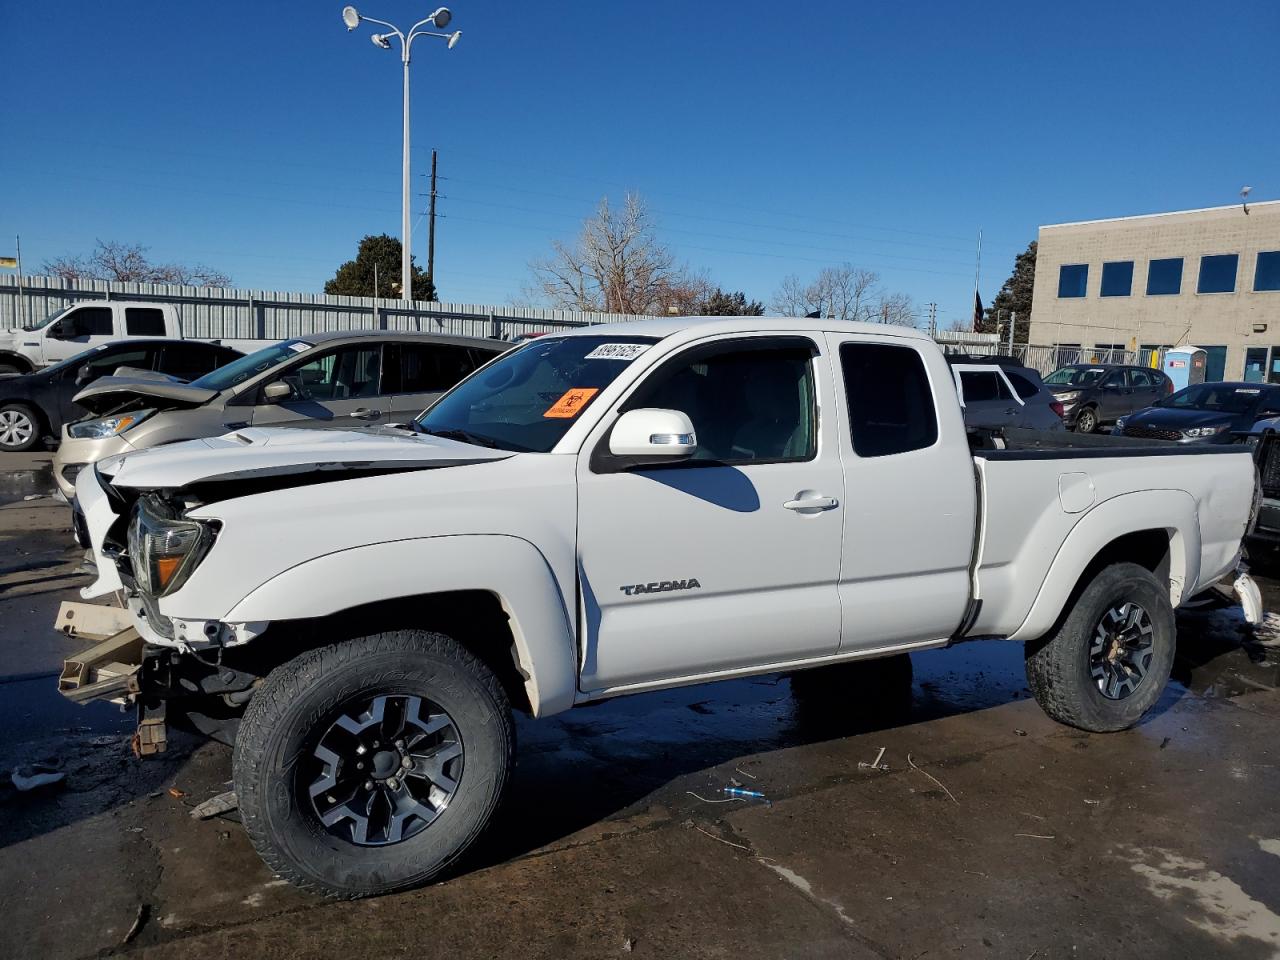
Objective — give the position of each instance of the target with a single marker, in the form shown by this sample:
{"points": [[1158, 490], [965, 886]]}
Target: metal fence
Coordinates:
{"points": [[216, 312], [1045, 358]]}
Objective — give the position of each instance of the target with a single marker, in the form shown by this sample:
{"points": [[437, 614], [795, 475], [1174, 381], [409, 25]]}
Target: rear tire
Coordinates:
{"points": [[302, 798], [20, 428], [1108, 661], [1087, 420]]}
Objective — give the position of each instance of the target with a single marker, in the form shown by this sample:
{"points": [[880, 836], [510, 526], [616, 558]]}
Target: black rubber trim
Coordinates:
{"points": [[1075, 453]]}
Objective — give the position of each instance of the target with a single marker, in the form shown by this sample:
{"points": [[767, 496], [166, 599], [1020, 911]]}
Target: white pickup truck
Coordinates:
{"points": [[614, 510], [76, 328]]}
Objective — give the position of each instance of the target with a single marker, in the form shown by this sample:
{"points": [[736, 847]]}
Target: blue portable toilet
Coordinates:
{"points": [[1185, 366]]}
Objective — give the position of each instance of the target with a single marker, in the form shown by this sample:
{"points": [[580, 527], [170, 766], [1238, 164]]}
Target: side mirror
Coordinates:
{"points": [[60, 330], [658, 436], [276, 392], [84, 374]]}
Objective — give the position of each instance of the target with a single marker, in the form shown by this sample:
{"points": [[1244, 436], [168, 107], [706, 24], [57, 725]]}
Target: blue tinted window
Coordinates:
{"points": [[1218, 273], [1267, 274], [1117, 278], [1164, 277], [1072, 279]]}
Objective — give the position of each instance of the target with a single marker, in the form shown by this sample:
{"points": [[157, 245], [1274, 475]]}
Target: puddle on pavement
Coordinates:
{"points": [[17, 485]]}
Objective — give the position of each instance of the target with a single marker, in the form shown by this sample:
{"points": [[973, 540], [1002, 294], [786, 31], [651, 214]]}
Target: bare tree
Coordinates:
{"points": [[842, 293], [113, 260], [616, 265], [896, 308]]}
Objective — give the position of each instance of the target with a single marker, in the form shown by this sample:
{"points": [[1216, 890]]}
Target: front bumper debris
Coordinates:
{"points": [[110, 669], [1247, 592]]}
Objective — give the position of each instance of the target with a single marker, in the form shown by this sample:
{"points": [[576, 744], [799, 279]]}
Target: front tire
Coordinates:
{"points": [[19, 428], [369, 766], [1108, 661], [1087, 420]]}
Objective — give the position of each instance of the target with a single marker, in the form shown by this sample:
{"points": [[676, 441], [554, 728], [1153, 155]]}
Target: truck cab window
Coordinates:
{"points": [[746, 405], [87, 322], [890, 403]]}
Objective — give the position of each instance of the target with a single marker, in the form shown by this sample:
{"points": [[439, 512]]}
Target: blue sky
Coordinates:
{"points": [[263, 139]]}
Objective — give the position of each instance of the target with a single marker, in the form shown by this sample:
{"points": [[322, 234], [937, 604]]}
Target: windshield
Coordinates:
{"points": [[1076, 376], [49, 319], [1218, 397], [238, 371], [529, 398]]}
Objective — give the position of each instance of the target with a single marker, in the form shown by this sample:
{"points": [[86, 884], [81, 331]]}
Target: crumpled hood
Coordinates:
{"points": [[263, 452], [168, 393]]}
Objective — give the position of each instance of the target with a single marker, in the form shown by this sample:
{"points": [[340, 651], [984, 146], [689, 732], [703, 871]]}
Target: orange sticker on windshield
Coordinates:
{"points": [[568, 406]]}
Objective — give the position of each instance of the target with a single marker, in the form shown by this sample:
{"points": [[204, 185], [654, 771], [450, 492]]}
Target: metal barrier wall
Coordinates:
{"points": [[209, 312]]}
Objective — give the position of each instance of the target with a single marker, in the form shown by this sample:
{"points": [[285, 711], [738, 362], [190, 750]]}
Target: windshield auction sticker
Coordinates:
{"points": [[567, 407], [617, 351]]}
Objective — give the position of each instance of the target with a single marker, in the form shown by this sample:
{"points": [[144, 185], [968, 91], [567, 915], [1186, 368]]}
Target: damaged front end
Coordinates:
{"points": [[204, 694]]}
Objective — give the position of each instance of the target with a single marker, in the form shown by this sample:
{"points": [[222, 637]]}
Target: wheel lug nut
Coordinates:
{"points": [[375, 744], [399, 744], [406, 763], [393, 783], [359, 766], [368, 784]]}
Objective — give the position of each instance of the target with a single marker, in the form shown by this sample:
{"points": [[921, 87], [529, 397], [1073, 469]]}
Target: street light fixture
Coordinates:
{"points": [[439, 19]]}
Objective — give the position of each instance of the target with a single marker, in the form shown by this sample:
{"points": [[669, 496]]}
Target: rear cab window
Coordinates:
{"points": [[144, 322], [891, 409]]}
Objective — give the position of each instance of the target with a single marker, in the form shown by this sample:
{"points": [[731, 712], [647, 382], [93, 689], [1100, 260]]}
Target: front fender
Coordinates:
{"points": [[509, 567], [1173, 511]]}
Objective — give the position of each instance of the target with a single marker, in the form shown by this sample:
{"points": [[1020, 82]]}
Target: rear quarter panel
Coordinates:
{"points": [[1044, 520]]}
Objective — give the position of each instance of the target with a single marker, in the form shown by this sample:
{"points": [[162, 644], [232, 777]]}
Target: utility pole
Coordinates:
{"points": [[431, 229], [1013, 320], [933, 319], [22, 300]]}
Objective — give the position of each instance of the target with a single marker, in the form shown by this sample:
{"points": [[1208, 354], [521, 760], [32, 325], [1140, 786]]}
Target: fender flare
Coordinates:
{"points": [[510, 568], [1173, 511]]}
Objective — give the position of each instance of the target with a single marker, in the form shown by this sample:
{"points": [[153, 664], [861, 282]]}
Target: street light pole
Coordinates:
{"points": [[440, 19]]}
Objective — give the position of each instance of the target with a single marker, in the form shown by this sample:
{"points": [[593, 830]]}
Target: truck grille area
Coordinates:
{"points": [[1152, 433]]}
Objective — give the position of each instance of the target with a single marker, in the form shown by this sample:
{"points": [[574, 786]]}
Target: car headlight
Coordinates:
{"points": [[1195, 433], [1071, 396], [163, 548], [107, 426]]}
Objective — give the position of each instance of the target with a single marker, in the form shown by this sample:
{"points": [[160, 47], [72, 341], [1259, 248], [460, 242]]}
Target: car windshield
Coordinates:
{"points": [[1218, 397], [40, 325], [238, 371], [1076, 376], [529, 398]]}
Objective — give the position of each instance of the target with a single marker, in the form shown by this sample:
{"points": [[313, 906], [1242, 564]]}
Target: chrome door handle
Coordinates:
{"points": [[364, 413], [812, 503]]}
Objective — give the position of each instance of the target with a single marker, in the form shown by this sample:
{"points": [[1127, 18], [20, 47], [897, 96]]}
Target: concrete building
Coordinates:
{"points": [[1208, 278]]}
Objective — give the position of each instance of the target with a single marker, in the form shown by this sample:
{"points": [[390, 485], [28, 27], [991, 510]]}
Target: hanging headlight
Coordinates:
{"points": [[164, 549]]}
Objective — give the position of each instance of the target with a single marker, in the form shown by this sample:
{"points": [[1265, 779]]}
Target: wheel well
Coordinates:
{"points": [[17, 360], [474, 618], [1149, 549]]}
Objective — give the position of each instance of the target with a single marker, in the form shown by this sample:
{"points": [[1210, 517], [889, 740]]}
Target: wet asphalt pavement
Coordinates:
{"points": [[990, 831]]}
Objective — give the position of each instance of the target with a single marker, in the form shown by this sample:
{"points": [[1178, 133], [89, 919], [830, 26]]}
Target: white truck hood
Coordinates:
{"points": [[263, 452]]}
